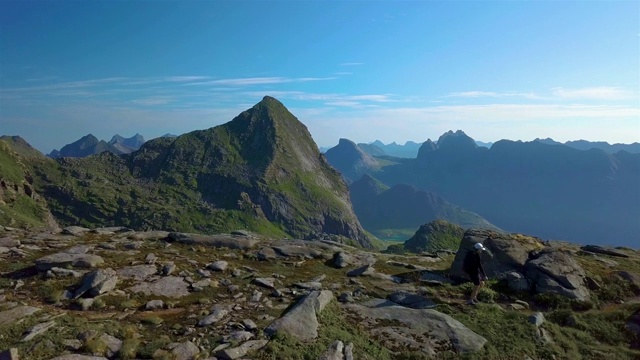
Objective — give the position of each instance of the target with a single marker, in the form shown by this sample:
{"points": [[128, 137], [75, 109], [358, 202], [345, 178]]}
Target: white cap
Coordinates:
{"points": [[479, 246]]}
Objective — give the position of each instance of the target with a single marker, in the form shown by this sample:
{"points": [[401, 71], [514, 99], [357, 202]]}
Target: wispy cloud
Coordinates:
{"points": [[351, 64], [152, 101], [491, 94], [260, 81], [594, 93]]}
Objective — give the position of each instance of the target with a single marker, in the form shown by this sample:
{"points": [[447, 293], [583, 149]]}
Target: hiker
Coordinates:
{"points": [[472, 265]]}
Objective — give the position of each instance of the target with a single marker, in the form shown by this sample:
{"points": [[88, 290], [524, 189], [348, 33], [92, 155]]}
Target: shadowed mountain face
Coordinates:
{"points": [[90, 145], [633, 148], [351, 160], [408, 150], [262, 170], [127, 145], [554, 191], [404, 207], [85, 146]]}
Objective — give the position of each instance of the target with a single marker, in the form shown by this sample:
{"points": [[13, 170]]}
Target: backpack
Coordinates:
{"points": [[467, 262]]}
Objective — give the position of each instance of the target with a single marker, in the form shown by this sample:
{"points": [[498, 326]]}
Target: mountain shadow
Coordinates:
{"points": [[398, 211]]}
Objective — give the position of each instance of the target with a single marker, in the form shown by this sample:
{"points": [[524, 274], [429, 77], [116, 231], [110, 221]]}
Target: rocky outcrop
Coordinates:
{"points": [[76, 257], [525, 263], [301, 321], [216, 241], [556, 271], [409, 326]]}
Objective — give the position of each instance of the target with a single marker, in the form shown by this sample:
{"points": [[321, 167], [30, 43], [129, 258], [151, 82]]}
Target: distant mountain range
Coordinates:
{"points": [[90, 145], [554, 191], [410, 148], [633, 148]]}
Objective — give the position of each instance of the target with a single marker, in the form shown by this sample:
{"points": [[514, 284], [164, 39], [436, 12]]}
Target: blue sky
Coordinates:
{"points": [[363, 70]]}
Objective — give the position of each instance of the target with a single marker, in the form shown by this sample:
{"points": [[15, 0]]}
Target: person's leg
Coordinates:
{"points": [[476, 290], [475, 278]]}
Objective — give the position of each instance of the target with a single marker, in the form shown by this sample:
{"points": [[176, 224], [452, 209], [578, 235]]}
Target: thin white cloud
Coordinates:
{"points": [[344, 103], [152, 101], [351, 64], [594, 93], [260, 81], [491, 94]]}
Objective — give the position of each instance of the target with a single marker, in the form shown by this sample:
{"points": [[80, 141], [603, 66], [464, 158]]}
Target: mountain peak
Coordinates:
{"points": [[456, 141]]}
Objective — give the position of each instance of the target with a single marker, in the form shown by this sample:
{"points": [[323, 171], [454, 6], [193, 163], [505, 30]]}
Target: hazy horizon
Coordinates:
{"points": [[392, 71]]}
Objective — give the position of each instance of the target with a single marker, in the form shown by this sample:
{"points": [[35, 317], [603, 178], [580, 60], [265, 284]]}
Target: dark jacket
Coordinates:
{"points": [[472, 263]]}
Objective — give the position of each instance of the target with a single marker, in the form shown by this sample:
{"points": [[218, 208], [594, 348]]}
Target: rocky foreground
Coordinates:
{"points": [[113, 293]]}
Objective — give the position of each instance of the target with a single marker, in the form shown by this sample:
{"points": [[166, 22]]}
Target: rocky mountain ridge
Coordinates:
{"points": [[261, 170], [114, 293]]}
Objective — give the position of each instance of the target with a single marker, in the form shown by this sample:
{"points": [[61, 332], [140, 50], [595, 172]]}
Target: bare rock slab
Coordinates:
{"points": [[216, 241], [242, 350], [14, 314], [301, 321], [169, 286], [74, 257], [444, 331]]}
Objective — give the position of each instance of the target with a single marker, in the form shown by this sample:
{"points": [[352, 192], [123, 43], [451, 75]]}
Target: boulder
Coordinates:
{"points": [[11, 354], [506, 252], [97, 282], [298, 251], [632, 278], [537, 319], [184, 351], [409, 326], [341, 259], [219, 265], [301, 321], [633, 324], [266, 253], [334, 352], [517, 282], [556, 271], [216, 241]]}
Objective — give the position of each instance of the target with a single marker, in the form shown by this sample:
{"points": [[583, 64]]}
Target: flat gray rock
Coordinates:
{"points": [[68, 258], [169, 286], [185, 351], [269, 283], [217, 241], [16, 313], [301, 321], [214, 317], [137, 272], [411, 300], [410, 325], [9, 242], [149, 235], [298, 251], [75, 230], [242, 350], [38, 330]]}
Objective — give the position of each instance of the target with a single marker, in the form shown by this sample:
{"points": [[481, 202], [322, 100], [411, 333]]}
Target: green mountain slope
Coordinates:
{"points": [[261, 171], [20, 205]]}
